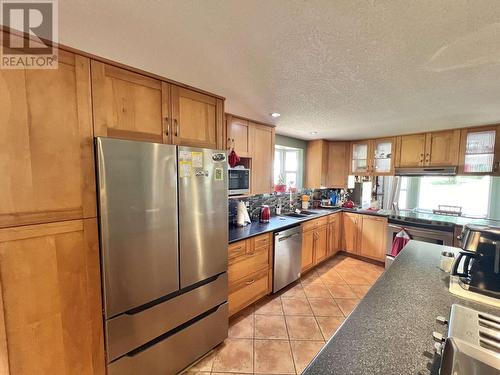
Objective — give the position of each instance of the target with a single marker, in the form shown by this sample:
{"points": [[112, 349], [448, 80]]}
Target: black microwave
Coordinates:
{"points": [[239, 181]]}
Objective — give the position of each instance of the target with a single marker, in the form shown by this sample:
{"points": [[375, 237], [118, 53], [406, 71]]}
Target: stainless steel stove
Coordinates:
{"points": [[420, 227]]}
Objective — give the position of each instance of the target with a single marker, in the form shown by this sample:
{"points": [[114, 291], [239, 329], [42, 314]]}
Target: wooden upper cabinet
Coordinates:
{"points": [[51, 298], [262, 159], [196, 118], [338, 165], [480, 151], [361, 158], [441, 148], [46, 144], [382, 155], [373, 233], [239, 135], [317, 164], [129, 105], [411, 150], [435, 149]]}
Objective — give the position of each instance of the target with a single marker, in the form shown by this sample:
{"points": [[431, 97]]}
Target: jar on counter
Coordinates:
{"points": [[447, 260]]}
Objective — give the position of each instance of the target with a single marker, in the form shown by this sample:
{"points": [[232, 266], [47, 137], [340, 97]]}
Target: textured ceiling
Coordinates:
{"points": [[345, 68]]}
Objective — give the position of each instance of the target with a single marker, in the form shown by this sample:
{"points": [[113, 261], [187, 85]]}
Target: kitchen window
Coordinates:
{"points": [[472, 193], [287, 167]]}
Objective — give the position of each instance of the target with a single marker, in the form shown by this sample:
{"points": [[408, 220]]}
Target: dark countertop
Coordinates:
{"points": [[390, 331], [277, 223]]}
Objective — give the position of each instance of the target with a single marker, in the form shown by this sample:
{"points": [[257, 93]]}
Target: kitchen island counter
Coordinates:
{"points": [[390, 331]]}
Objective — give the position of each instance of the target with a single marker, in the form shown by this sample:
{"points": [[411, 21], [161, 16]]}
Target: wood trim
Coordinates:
{"points": [[251, 120], [220, 126], [4, 352], [84, 108], [166, 112], [37, 230], [91, 56]]}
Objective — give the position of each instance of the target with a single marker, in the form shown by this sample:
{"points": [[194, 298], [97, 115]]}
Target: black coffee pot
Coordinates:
{"points": [[478, 264]]}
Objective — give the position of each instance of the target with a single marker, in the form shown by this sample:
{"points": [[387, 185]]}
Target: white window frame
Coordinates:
{"points": [[282, 150]]}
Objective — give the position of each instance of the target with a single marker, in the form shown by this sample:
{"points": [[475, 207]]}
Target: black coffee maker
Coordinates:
{"points": [[478, 264]]}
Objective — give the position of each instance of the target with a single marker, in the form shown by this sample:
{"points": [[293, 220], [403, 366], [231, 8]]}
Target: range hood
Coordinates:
{"points": [[427, 171]]}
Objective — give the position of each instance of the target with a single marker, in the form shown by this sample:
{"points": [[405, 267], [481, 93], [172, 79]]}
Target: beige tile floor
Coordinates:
{"points": [[282, 333]]}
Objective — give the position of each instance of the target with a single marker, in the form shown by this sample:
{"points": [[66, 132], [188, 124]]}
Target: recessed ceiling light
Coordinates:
{"points": [[275, 114], [313, 133]]}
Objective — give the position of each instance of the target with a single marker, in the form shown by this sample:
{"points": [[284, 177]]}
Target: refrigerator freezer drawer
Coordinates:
{"points": [[128, 332], [174, 353]]}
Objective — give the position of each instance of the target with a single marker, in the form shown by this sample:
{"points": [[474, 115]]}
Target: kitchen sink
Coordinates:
{"points": [[302, 214]]}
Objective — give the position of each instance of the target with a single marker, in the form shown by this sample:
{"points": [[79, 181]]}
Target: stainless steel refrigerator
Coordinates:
{"points": [[163, 233]]}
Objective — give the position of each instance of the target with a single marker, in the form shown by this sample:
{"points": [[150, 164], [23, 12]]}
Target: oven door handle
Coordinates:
{"points": [[409, 228]]}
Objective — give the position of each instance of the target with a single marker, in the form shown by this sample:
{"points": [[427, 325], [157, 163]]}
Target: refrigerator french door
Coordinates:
{"points": [[163, 234]]}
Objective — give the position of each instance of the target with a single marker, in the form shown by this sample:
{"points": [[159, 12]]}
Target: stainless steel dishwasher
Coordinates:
{"points": [[287, 257]]}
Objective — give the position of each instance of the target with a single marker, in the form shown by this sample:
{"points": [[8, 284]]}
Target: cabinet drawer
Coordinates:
{"points": [[333, 217], [247, 291], [242, 267], [313, 224], [237, 249], [261, 241]]}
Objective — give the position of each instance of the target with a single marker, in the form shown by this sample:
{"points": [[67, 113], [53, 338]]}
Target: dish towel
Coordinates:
{"points": [[399, 242]]}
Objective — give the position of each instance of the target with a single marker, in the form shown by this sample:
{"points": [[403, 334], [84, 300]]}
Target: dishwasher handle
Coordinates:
{"points": [[282, 238]]}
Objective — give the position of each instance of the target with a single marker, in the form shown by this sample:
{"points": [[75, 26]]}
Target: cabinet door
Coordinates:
{"points": [[411, 150], [383, 157], [129, 105], [373, 235], [320, 244], [350, 232], [317, 164], [334, 235], [239, 135], [46, 153], [195, 116], [442, 148], [262, 159], [480, 151], [307, 250], [51, 298], [361, 160], [338, 165]]}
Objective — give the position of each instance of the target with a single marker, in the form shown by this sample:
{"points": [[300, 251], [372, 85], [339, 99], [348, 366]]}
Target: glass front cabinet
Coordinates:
{"points": [[372, 157], [480, 151]]}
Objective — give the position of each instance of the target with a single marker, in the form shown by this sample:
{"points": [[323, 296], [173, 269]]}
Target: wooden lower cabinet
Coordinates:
{"points": [[314, 242], [365, 235], [350, 232], [307, 250], [373, 236], [249, 271], [334, 233], [51, 299]]}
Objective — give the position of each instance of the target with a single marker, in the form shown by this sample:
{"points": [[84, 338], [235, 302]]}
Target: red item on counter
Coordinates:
{"points": [[265, 214], [348, 204]]}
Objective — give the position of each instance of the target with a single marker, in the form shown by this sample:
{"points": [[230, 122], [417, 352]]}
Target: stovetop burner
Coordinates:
{"points": [[420, 220]]}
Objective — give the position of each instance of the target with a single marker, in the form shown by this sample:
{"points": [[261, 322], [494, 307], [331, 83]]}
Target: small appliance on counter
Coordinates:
{"points": [[239, 181], [265, 214], [476, 271], [472, 345]]}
